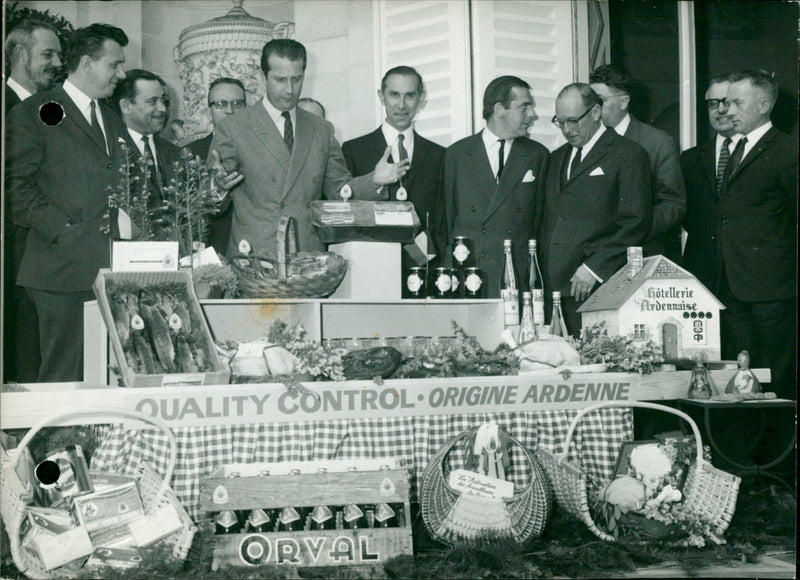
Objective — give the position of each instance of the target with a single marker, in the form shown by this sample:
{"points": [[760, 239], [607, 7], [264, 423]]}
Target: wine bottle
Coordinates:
{"points": [[527, 329], [509, 291], [538, 309], [557, 325], [534, 278]]}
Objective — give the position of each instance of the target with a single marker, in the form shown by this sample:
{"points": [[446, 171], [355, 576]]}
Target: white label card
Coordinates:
{"points": [[144, 256], [473, 483], [393, 218]]}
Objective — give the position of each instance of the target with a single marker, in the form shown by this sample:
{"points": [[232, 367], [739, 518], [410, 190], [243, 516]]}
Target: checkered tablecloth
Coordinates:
{"points": [[595, 446]]}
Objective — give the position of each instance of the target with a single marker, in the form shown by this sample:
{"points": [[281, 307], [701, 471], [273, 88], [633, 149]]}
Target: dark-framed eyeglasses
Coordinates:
{"points": [[714, 104], [570, 123], [222, 104]]}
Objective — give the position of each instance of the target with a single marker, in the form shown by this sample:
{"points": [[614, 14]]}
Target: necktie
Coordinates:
{"points": [[501, 158], [288, 131], [154, 180], [96, 129], [575, 162], [401, 149], [736, 157], [724, 156]]}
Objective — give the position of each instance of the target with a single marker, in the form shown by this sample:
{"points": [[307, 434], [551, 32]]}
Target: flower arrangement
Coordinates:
{"points": [[312, 357], [621, 353], [646, 497], [220, 276]]}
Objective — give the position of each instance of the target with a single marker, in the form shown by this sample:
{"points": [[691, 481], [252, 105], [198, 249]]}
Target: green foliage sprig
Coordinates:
{"points": [[312, 357], [622, 354]]}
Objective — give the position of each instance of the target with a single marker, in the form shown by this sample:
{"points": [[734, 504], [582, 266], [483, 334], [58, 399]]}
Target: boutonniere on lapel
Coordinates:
{"points": [[597, 171]]}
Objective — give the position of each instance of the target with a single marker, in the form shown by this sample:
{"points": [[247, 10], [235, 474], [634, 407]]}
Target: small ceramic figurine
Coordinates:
{"points": [[701, 385], [744, 381]]}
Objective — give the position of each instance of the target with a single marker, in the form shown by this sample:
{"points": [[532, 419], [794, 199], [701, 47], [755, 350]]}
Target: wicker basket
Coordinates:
{"points": [[262, 278], [709, 493], [458, 519], [153, 491]]}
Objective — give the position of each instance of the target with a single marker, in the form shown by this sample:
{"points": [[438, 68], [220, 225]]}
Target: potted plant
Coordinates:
{"points": [[214, 281]]}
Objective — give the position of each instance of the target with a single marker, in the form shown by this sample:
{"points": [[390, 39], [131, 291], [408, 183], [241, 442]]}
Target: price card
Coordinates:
{"points": [[144, 256], [473, 483]]}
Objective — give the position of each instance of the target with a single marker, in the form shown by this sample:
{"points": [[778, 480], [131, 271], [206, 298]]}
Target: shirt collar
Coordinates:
{"points": [[757, 133], [21, 91], [81, 99], [276, 115], [490, 139], [590, 143], [390, 134], [721, 140], [137, 137], [622, 126]]}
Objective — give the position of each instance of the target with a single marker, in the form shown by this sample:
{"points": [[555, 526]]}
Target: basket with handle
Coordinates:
{"points": [[294, 274], [709, 493], [153, 490], [455, 518]]}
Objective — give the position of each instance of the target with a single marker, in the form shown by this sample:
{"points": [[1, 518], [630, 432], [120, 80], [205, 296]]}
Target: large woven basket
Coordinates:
{"points": [[461, 519], [153, 491], [709, 493], [295, 275]]}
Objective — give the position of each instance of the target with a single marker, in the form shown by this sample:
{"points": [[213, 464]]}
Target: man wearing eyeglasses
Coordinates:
{"points": [[756, 276], [703, 168], [226, 96], [612, 83], [598, 202]]}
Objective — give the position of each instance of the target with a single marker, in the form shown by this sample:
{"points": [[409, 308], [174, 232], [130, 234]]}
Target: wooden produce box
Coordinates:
{"points": [[218, 373], [241, 489]]}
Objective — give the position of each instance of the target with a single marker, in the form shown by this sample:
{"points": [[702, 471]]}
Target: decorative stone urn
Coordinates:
{"points": [[228, 46]]}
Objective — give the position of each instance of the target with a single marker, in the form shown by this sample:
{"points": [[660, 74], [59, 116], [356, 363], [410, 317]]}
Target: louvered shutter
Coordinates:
{"points": [[433, 37], [531, 40]]}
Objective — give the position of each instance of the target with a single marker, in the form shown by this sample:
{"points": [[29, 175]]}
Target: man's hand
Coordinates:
{"points": [[386, 173], [223, 180], [582, 282]]}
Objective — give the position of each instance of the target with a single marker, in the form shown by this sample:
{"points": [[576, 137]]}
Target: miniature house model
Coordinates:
{"points": [[659, 301]]}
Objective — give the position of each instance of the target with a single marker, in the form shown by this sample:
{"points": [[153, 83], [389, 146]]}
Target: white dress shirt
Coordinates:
{"points": [[84, 104], [391, 134], [720, 142], [492, 144], [623, 125], [137, 138], [754, 136], [277, 116], [21, 91]]}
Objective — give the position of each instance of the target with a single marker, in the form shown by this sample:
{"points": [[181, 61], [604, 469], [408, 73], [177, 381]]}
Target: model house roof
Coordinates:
{"points": [[618, 289]]}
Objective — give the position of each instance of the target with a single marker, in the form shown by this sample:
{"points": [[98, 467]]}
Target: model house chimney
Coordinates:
{"points": [[634, 261]]}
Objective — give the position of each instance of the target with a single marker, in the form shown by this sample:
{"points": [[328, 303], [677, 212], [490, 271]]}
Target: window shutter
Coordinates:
{"points": [[433, 37], [531, 40]]}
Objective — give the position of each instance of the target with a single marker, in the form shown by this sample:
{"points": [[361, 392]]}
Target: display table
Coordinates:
{"points": [[733, 452]]}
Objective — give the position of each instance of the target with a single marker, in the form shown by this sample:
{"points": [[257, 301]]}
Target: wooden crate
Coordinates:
{"points": [[219, 373], [238, 488]]}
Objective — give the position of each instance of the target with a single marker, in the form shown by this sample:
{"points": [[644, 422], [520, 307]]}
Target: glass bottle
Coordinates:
{"points": [[744, 381], [353, 517], [557, 325], [527, 329], [385, 516], [509, 291], [701, 385], [259, 521], [322, 518], [290, 520], [538, 309], [534, 279], [227, 522]]}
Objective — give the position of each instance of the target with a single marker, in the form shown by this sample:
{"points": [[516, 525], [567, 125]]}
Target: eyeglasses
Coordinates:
{"points": [[222, 104], [570, 123], [713, 104]]}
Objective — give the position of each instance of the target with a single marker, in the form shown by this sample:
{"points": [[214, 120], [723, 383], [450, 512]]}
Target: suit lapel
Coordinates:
{"points": [[266, 132], [596, 154], [71, 112], [708, 158], [513, 173], [759, 148]]}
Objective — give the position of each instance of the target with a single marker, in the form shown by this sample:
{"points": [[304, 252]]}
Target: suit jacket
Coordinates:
{"points": [[166, 154], [219, 226], [423, 182], [700, 223], [593, 219], [57, 177], [279, 183], [488, 212], [10, 98], [757, 222], [669, 193]]}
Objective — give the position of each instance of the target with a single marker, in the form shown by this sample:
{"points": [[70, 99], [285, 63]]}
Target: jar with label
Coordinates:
{"points": [[473, 283], [442, 283], [462, 252], [416, 284]]}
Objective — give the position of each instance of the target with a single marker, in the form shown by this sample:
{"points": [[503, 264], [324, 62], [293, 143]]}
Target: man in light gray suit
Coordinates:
{"points": [[288, 157]]}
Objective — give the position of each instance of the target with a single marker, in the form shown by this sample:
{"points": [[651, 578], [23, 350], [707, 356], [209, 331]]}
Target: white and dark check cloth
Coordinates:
{"points": [[201, 450]]}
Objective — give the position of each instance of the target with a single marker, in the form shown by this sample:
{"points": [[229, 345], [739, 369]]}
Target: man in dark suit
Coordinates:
{"points": [[598, 202], [757, 235], [401, 94], [33, 54], [703, 168], [59, 164], [226, 96], [612, 83], [287, 158], [143, 104], [494, 181]]}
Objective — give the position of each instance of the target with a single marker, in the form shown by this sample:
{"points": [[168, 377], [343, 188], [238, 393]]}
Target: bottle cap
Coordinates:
{"points": [[556, 295], [531, 245], [526, 295], [506, 243]]}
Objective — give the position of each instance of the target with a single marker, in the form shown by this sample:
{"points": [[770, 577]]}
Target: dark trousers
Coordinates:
{"points": [[61, 334], [768, 331], [219, 230]]}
